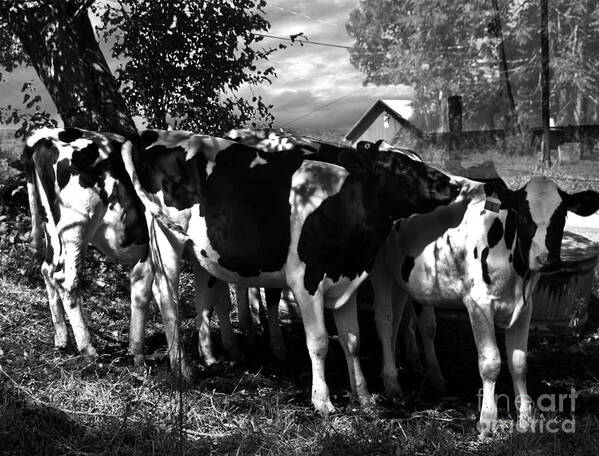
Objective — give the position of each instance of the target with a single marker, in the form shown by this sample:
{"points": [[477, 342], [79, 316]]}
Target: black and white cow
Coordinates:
{"points": [[485, 254], [270, 220], [80, 193], [271, 141]]}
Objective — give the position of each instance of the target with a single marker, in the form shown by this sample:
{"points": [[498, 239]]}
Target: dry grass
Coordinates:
{"points": [[516, 170]]}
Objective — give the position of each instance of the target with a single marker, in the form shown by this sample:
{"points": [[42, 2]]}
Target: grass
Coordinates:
{"points": [[516, 170]]}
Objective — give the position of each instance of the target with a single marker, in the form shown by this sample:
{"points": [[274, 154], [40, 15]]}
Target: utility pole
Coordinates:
{"points": [[545, 146], [454, 143]]}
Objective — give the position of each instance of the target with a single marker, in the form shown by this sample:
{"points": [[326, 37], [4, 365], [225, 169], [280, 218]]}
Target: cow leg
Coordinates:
{"points": [[273, 297], [61, 334], [244, 315], [384, 317], [71, 258], [346, 320], [141, 278], [256, 308], [166, 262], [317, 341], [516, 344], [427, 325], [257, 297], [204, 304], [222, 303], [407, 329], [489, 360]]}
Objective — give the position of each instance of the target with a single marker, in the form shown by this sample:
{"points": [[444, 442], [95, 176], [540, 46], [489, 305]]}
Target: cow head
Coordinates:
{"points": [[538, 211], [403, 186]]}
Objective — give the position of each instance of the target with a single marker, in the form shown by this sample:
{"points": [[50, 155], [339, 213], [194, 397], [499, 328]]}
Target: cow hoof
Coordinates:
{"points": [[439, 384], [323, 406], [182, 370], [393, 391], [60, 341], [251, 339], [89, 353], [415, 365], [139, 360], [367, 403], [524, 424], [210, 361], [485, 430], [281, 354], [395, 396], [185, 374], [237, 356], [436, 378]]}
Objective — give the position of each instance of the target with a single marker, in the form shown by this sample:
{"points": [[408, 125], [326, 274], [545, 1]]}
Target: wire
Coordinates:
{"points": [[306, 41], [323, 106], [296, 39]]}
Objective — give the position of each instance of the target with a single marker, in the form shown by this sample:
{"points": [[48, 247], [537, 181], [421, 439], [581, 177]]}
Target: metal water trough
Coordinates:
{"points": [[561, 298]]}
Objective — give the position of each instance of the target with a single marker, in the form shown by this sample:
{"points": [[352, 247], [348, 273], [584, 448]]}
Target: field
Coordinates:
{"points": [[54, 402]]}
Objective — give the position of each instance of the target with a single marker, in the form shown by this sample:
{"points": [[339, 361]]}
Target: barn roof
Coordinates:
{"points": [[392, 107]]}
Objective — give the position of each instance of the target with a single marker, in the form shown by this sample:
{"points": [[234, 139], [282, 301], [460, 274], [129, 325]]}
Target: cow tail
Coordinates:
{"points": [[127, 154], [34, 200]]}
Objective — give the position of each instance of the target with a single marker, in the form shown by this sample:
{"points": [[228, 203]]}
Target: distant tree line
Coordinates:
{"points": [[454, 48]]}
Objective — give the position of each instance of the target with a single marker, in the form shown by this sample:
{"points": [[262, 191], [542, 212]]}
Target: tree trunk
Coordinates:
{"points": [[454, 117], [443, 122], [59, 39], [580, 108], [511, 124]]}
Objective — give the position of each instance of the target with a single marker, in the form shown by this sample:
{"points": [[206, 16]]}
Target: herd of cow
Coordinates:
{"points": [[257, 208]]}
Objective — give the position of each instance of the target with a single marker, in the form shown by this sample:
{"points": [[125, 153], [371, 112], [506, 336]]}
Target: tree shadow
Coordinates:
{"points": [[30, 428]]}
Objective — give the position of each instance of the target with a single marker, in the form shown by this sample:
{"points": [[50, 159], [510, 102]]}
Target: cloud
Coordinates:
{"points": [[319, 109], [316, 85]]}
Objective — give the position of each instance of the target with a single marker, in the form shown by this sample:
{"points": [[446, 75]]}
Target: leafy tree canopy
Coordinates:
{"points": [[183, 63], [450, 48]]}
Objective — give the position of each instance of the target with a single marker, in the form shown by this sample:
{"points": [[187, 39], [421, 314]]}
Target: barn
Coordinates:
{"points": [[386, 119]]}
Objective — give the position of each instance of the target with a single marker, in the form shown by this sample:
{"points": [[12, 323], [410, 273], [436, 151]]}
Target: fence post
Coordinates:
{"points": [[454, 114]]}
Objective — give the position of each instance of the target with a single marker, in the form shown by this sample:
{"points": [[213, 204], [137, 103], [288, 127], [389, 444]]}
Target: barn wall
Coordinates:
{"points": [[377, 130]]}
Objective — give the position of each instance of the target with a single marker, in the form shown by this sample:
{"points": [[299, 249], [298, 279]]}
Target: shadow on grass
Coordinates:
{"points": [[28, 428]]}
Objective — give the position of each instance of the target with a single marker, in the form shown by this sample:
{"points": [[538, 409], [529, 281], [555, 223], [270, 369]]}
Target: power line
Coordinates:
{"points": [[304, 41], [295, 38], [323, 106]]}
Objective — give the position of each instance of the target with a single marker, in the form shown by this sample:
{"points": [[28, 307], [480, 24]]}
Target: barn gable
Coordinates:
{"points": [[382, 121]]}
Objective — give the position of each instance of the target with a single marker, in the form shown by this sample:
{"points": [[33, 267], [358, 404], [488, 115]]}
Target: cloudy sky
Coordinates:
{"points": [[316, 87], [316, 84]]}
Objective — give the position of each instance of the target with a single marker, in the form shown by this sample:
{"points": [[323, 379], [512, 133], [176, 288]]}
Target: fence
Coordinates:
{"points": [[456, 139]]}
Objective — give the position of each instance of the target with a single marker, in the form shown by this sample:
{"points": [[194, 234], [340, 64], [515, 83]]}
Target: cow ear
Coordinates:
{"points": [[582, 203], [358, 161], [508, 199]]}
